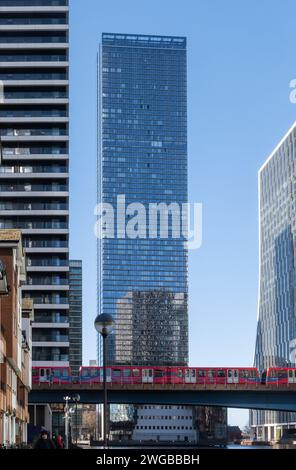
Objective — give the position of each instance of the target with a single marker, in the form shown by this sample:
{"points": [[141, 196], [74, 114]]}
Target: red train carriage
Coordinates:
{"points": [[280, 376], [51, 375], [170, 375]]}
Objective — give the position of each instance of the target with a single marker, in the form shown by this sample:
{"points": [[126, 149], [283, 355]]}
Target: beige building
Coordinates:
{"points": [[15, 344]]}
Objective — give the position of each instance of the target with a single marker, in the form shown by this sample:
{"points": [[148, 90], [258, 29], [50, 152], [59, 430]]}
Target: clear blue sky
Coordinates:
{"points": [[241, 59]]}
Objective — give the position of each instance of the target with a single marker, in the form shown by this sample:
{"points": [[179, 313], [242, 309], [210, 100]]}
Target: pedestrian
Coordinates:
{"points": [[58, 440], [44, 441]]}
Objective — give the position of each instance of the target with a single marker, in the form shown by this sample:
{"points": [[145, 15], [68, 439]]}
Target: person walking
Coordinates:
{"points": [[59, 441], [44, 441]]}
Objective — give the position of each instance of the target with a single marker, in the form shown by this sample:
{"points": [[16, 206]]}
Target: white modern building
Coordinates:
{"points": [[276, 330], [165, 423]]}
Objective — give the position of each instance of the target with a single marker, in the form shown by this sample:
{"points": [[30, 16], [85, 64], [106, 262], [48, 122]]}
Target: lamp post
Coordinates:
{"points": [[76, 399], [104, 325], [67, 419]]}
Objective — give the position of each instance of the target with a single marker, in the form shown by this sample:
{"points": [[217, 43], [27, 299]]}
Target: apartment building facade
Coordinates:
{"points": [[34, 132]]}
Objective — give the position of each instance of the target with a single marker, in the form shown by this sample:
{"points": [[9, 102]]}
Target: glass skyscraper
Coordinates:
{"points": [[143, 157], [276, 330], [34, 124]]}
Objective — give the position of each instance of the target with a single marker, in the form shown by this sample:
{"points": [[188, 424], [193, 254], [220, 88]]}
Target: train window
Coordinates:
{"points": [[42, 372], [126, 373], [244, 374], [282, 374], [180, 373], [290, 374], [136, 372], [93, 373], [35, 372], [56, 373], [221, 373], [84, 372], [272, 373], [159, 373], [211, 373], [116, 373], [201, 373], [65, 373]]}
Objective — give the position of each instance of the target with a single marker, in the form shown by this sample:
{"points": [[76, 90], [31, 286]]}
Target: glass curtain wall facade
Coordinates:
{"points": [[34, 123], [276, 329], [143, 156], [75, 298]]}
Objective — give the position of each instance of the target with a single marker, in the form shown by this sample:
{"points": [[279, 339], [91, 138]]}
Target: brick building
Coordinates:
{"points": [[15, 341]]}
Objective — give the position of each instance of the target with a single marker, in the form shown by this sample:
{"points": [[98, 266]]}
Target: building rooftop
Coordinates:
{"points": [[144, 40], [10, 235]]}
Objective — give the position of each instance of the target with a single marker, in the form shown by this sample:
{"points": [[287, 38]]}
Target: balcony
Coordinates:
{"points": [[34, 3], [34, 19], [22, 225], [28, 170], [22, 133], [56, 35], [52, 319]]}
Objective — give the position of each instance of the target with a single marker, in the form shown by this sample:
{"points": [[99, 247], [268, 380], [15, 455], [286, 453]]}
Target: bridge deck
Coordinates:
{"points": [[275, 397]]}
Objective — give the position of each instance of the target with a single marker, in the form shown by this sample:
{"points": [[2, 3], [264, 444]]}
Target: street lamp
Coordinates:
{"points": [[104, 325], [67, 419], [76, 399]]}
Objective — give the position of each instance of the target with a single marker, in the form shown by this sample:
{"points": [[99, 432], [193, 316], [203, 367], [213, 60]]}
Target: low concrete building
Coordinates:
{"points": [[15, 344]]}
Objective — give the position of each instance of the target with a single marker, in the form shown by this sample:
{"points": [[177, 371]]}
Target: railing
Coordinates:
{"points": [[33, 207], [32, 21], [33, 225], [34, 95], [50, 300], [58, 339], [37, 3], [33, 132], [33, 169], [30, 39], [44, 319], [30, 188], [40, 244], [49, 263], [31, 114]]}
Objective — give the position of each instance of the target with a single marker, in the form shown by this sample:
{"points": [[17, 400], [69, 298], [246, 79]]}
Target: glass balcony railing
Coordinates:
{"points": [[33, 3], [7, 151], [32, 76], [34, 169], [11, 19], [32, 113], [32, 225], [33, 132], [54, 318], [47, 281], [27, 243], [50, 300], [33, 187], [50, 338], [50, 357], [14, 95], [47, 263], [31, 38], [10, 206]]}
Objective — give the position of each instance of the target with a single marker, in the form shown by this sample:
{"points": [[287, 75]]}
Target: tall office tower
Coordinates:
{"points": [[34, 122], [75, 300], [143, 159], [276, 330]]}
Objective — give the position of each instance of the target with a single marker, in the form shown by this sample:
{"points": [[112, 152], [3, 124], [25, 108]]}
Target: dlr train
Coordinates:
{"points": [[166, 375]]}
